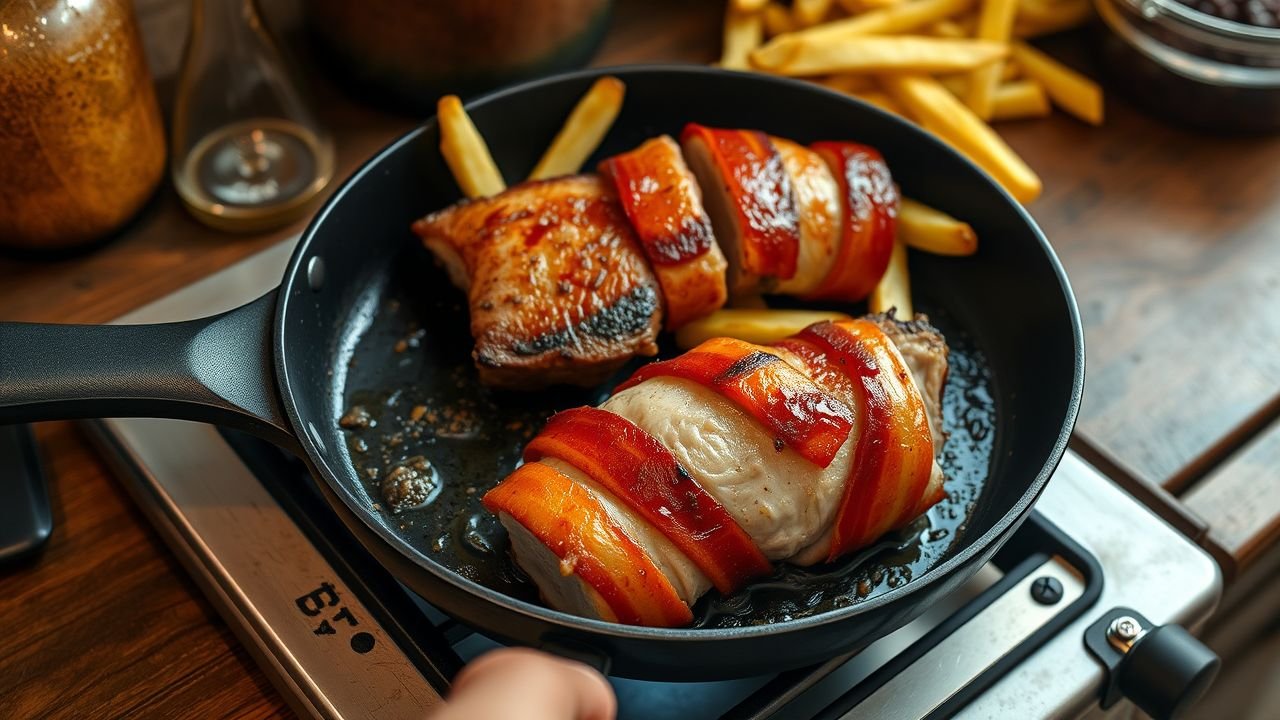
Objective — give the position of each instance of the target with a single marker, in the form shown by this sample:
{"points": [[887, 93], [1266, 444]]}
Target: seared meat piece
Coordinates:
{"points": [[663, 203], [748, 194], [746, 456], [821, 216], [558, 287]]}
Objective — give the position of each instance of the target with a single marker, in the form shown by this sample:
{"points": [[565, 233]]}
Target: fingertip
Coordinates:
{"points": [[548, 682], [598, 699]]}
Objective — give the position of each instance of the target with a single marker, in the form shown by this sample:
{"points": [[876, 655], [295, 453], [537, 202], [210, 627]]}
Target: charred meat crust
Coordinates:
{"points": [[558, 287]]}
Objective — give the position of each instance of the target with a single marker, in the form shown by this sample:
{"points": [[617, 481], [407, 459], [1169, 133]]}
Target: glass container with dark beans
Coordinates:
{"points": [[1211, 64], [1262, 13]]}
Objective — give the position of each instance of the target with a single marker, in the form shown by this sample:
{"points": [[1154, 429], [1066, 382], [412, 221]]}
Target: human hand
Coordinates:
{"points": [[530, 685]]}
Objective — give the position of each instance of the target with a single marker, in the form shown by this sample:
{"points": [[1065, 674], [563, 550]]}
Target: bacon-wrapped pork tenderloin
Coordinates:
{"points": [[664, 204], [713, 465]]}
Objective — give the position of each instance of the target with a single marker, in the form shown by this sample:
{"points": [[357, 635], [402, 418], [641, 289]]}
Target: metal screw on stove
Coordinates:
{"points": [[1123, 632], [1046, 590]]}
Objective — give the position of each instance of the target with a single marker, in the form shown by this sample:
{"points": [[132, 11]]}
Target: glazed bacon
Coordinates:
{"points": [[752, 204], [571, 523], [569, 278], [664, 205], [797, 411], [870, 201], [894, 457], [643, 474], [666, 457]]}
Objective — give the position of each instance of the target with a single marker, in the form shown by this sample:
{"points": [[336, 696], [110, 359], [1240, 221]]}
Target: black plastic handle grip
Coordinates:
{"points": [[26, 520], [1166, 671], [217, 369]]}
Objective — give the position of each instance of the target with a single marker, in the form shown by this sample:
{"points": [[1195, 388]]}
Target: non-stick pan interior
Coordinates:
{"points": [[386, 332]]}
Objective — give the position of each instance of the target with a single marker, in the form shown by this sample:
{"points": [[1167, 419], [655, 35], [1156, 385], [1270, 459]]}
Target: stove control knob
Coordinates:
{"points": [[1165, 669]]}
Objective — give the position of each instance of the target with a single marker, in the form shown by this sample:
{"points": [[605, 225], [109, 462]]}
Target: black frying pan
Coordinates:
{"points": [[288, 365]]}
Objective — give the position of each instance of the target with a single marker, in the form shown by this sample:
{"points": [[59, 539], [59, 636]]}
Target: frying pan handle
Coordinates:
{"points": [[217, 369]]}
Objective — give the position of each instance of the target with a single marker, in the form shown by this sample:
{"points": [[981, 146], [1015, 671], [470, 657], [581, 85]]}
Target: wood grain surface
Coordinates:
{"points": [[1241, 496], [1171, 241], [106, 624]]}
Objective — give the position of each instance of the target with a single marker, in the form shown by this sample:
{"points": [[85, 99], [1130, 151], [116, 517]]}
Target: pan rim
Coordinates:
{"points": [[295, 273]]}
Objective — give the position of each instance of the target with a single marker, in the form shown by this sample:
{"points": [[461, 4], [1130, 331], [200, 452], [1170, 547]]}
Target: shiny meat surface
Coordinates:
{"points": [[786, 504], [558, 288], [664, 204], [821, 216], [925, 351]]}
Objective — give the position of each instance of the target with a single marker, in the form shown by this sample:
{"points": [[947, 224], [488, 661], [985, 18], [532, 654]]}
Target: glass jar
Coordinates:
{"points": [[81, 141], [1191, 67]]}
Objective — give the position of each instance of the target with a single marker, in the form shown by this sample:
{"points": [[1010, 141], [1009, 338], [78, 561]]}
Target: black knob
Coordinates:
{"points": [[1166, 671]]}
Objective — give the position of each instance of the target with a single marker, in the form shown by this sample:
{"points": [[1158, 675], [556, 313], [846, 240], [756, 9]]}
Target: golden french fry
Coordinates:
{"points": [[1010, 71], [947, 29], [756, 326], [893, 292], [939, 111], [1020, 99], [777, 19], [1047, 12], [882, 100], [583, 130], [1067, 88], [743, 33], [957, 85], [933, 231], [896, 18], [806, 13], [890, 53], [853, 7], [995, 23], [464, 151], [747, 6], [1061, 17], [968, 22], [850, 83]]}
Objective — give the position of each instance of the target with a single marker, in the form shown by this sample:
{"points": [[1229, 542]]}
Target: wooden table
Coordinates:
{"points": [[1172, 241]]}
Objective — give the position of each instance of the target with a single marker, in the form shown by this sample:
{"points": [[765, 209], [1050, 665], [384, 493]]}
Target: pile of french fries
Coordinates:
{"points": [[952, 66], [477, 175]]}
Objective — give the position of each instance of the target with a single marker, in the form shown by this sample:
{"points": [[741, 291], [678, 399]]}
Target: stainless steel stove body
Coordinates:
{"points": [[341, 639]]}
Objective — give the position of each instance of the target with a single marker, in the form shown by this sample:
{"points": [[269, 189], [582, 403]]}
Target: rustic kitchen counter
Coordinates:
{"points": [[1170, 240]]}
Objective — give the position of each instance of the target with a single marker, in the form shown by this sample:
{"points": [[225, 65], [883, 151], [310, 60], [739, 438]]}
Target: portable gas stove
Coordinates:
{"points": [[1039, 632]]}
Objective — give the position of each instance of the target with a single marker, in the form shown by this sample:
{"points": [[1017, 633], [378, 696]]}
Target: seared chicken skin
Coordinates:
{"points": [[711, 466], [558, 287]]}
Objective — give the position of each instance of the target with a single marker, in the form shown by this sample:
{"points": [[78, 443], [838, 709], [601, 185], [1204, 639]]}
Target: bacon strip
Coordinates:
{"points": [[575, 526], [799, 413], [894, 456], [756, 179], [870, 217], [644, 475]]}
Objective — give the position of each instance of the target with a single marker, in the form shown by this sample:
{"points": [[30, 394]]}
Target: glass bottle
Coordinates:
{"points": [[248, 152], [81, 141]]}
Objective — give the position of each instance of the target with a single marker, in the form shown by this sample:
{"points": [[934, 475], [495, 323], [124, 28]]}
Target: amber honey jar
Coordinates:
{"points": [[81, 141]]}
